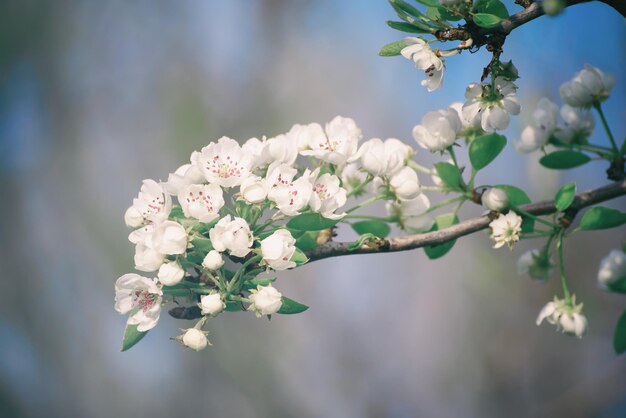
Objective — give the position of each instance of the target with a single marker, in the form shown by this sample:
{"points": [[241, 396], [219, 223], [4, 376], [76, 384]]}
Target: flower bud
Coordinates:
{"points": [[536, 264], [133, 218], [495, 199], [612, 272], [195, 339], [170, 273], [170, 238], [213, 261], [211, 304], [405, 184], [277, 250], [253, 190], [266, 300]]}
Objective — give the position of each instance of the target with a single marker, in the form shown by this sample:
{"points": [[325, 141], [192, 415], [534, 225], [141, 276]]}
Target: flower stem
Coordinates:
{"points": [[365, 203], [419, 167], [533, 217], [598, 107], [445, 203], [559, 245]]}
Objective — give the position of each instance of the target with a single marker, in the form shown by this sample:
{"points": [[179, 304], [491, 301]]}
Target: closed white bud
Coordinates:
{"points": [[266, 300], [589, 86], [612, 272], [536, 264], [211, 304], [213, 261], [170, 273], [195, 339], [495, 199], [405, 184]]}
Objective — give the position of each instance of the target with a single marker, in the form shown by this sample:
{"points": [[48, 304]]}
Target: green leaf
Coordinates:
{"points": [[379, 228], [431, 3], [392, 49], [131, 336], [450, 175], [619, 286], [202, 245], [290, 306], [234, 306], [601, 217], [483, 150], [565, 197], [307, 241], [406, 8], [517, 197], [177, 212], [299, 257], [440, 13], [406, 27], [486, 20], [493, 7], [441, 222], [311, 222], [402, 14], [619, 338], [360, 241], [562, 160], [253, 283]]}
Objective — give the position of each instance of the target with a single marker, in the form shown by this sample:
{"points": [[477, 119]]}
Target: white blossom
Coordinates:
{"points": [[506, 229], [213, 261], [277, 250], [282, 149], [147, 258], [541, 127], [195, 339], [265, 300], [152, 205], [255, 149], [305, 135], [352, 177], [567, 317], [489, 108], [405, 184], [211, 304], [289, 195], [141, 297], [224, 163], [535, 263], [578, 125], [412, 214], [328, 196], [384, 158], [458, 108], [184, 175], [612, 269], [438, 130], [338, 146], [169, 237], [170, 273], [495, 199], [232, 235], [419, 51], [589, 86], [253, 189], [201, 201]]}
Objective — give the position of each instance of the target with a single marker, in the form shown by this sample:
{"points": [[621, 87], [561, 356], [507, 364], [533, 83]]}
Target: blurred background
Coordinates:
{"points": [[96, 96]]}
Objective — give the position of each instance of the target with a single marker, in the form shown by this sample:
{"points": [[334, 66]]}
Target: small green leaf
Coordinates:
{"points": [[483, 150], [441, 222], [290, 306], [440, 13], [406, 27], [177, 212], [202, 245], [392, 49], [601, 217], [406, 8], [379, 228], [307, 241], [619, 338], [131, 336], [562, 160], [431, 3], [299, 257], [565, 197], [233, 306], [493, 7], [450, 175], [253, 283], [360, 241], [311, 222], [486, 20], [517, 197]]}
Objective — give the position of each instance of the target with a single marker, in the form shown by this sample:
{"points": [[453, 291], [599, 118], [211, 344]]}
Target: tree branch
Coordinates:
{"points": [[410, 242]]}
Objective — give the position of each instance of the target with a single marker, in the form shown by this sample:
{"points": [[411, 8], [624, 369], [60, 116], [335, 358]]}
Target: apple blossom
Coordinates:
{"points": [[277, 250], [169, 237], [506, 229], [438, 130], [328, 196], [201, 201], [232, 235], [224, 163], [289, 195], [405, 184], [147, 258], [490, 107], [152, 205], [265, 300], [535, 263], [184, 175], [352, 178], [195, 339], [412, 214], [612, 270], [495, 199], [384, 158], [426, 60], [304, 135], [255, 149], [578, 125], [567, 316], [339, 145], [253, 190], [542, 126], [213, 261], [281, 149], [170, 273], [211, 304], [589, 86], [141, 297]]}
